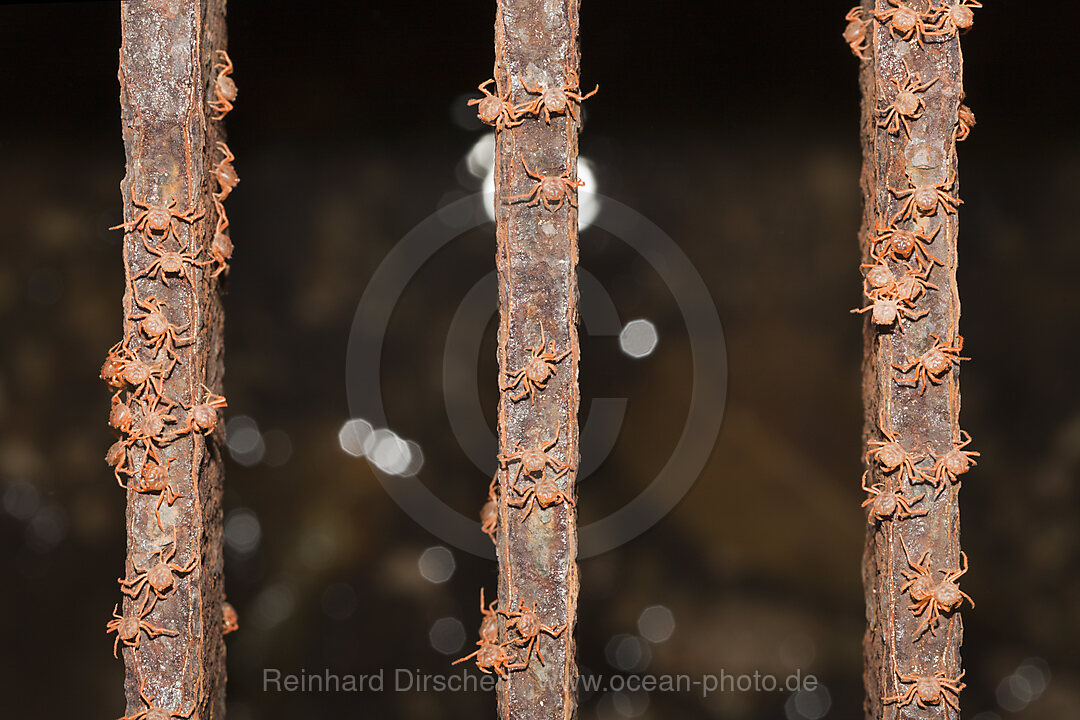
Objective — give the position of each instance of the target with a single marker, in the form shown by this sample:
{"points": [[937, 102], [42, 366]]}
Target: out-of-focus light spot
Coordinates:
{"points": [[1037, 672], [589, 202], [388, 452], [352, 436], [47, 528], [339, 601], [638, 338], [798, 651], [273, 605], [447, 635], [481, 158], [416, 459], [808, 704], [21, 500], [630, 704], [242, 531], [245, 442], [656, 623], [627, 653], [278, 448], [1024, 686], [436, 564]]}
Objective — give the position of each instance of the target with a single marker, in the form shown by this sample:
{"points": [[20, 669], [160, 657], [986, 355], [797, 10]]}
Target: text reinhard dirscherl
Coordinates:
{"points": [[411, 680]]}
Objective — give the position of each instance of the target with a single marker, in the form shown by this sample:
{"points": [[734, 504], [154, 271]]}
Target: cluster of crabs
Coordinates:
{"points": [[147, 422], [941, 20], [535, 487], [497, 110], [896, 278], [538, 479]]}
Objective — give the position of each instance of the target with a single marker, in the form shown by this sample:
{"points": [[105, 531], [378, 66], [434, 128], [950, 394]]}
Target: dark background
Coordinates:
{"points": [[734, 127]]}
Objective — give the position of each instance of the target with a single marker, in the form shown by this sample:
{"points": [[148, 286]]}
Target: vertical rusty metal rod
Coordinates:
{"points": [[537, 252], [912, 117], [169, 452]]}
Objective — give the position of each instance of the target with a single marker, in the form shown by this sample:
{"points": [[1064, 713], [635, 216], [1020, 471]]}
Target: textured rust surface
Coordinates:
{"points": [[537, 254], [893, 643], [166, 58]]}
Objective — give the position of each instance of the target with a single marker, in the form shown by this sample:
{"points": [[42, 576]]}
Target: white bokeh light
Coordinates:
{"points": [[436, 564], [656, 623], [352, 436], [638, 338]]}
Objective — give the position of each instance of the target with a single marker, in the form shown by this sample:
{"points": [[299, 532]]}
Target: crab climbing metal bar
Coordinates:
{"points": [[535, 110], [915, 451], [166, 371]]}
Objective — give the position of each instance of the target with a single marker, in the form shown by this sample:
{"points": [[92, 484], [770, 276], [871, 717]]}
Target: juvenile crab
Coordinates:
{"points": [[930, 690], [116, 457], [156, 712], [489, 625], [489, 513], [545, 491], [130, 626], [886, 308], [491, 657], [877, 278], [552, 190], [905, 21], [156, 220], [537, 370], [887, 504], [224, 86], [965, 120], [923, 200], [154, 478], [931, 365], [160, 577], [155, 325], [900, 245], [120, 416], [906, 106], [556, 100], [913, 284], [953, 18], [142, 376], [890, 454], [225, 173], [855, 32], [150, 426], [494, 109], [203, 415], [112, 370], [929, 597], [526, 622], [533, 460], [955, 462], [171, 262], [230, 619], [221, 247]]}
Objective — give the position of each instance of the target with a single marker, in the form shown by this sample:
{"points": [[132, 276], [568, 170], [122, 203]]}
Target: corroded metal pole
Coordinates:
{"points": [[167, 370], [536, 71], [916, 453]]}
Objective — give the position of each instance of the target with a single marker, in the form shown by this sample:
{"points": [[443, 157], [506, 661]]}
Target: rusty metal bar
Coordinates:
{"points": [[167, 370], [536, 72], [912, 117]]}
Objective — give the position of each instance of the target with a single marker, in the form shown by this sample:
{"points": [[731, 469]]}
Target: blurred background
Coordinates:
{"points": [[732, 126]]}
